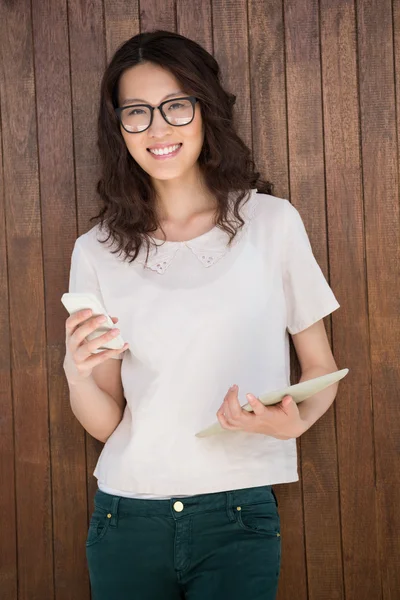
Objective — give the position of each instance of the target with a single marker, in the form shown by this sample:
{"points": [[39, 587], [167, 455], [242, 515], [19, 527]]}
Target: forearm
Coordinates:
{"points": [[314, 407], [96, 410]]}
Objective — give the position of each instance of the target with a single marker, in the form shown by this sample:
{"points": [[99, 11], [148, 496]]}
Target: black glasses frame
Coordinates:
{"points": [[193, 100]]}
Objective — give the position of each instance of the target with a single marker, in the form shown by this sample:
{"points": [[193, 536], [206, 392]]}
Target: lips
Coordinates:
{"points": [[165, 156], [162, 146]]}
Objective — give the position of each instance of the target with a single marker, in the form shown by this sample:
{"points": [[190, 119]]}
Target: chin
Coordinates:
{"points": [[166, 176], [166, 172]]}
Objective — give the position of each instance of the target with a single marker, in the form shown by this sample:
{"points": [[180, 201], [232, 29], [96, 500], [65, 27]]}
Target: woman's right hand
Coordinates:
{"points": [[79, 360]]}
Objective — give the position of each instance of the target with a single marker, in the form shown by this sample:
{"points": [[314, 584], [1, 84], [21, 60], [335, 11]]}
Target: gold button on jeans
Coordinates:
{"points": [[178, 506]]}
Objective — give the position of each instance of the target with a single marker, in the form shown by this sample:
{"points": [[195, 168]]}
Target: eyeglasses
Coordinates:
{"points": [[136, 118]]}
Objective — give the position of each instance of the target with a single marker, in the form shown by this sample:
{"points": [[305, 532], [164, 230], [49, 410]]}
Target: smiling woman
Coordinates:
{"points": [[210, 304], [159, 91]]}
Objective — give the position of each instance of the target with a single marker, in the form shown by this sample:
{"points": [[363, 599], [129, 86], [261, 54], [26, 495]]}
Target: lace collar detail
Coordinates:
{"points": [[208, 248]]}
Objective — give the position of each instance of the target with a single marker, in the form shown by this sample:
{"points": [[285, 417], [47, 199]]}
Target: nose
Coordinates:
{"points": [[159, 125]]}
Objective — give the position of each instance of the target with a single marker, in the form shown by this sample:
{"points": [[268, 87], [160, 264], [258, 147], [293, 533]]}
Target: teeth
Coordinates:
{"points": [[161, 151]]}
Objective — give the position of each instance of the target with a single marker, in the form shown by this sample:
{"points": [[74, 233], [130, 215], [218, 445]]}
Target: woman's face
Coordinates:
{"points": [[148, 83]]}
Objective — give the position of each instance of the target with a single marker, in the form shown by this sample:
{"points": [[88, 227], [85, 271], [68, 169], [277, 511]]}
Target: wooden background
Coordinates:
{"points": [[318, 103]]}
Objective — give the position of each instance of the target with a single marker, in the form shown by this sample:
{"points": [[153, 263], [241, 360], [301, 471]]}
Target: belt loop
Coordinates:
{"points": [[114, 510], [229, 505]]}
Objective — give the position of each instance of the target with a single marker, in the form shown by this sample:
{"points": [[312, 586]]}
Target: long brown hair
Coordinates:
{"points": [[125, 189]]}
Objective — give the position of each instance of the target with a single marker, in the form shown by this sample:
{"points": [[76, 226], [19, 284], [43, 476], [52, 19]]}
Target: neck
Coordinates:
{"points": [[181, 198]]}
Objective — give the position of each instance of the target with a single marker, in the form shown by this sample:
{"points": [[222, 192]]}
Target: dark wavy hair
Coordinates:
{"points": [[125, 189]]}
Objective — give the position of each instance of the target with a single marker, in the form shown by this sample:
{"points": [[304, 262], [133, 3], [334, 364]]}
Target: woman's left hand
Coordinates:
{"points": [[281, 420]]}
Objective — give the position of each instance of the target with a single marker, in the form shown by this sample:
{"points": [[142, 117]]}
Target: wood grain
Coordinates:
{"points": [[379, 150], [57, 193], [34, 528], [8, 538]]}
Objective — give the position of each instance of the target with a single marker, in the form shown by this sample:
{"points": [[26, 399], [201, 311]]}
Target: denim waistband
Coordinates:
{"points": [[188, 505]]}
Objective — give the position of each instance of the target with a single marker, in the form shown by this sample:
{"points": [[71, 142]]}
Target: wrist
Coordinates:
{"points": [[74, 382]]}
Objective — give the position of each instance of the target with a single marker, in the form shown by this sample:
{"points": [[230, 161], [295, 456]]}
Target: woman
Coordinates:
{"points": [[207, 278]]}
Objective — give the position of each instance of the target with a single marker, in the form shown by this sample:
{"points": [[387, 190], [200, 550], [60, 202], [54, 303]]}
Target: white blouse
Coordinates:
{"points": [[200, 318]]}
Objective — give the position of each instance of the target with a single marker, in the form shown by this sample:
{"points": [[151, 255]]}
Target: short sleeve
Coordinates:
{"points": [[308, 295], [83, 278]]}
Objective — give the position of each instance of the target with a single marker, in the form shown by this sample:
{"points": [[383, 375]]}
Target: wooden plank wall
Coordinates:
{"points": [[318, 102]]}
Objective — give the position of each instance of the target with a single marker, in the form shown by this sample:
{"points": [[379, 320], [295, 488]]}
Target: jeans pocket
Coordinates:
{"points": [[262, 518], [98, 526]]}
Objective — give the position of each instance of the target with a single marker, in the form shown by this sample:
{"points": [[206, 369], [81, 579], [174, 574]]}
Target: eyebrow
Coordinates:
{"points": [[128, 100]]}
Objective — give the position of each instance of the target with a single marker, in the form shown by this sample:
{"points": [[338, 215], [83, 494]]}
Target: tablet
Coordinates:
{"points": [[298, 391]]}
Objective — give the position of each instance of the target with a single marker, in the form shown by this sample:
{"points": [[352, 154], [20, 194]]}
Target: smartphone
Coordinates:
{"points": [[76, 301]]}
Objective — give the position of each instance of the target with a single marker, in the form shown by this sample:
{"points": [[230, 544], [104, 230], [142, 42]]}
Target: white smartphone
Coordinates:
{"points": [[75, 301]]}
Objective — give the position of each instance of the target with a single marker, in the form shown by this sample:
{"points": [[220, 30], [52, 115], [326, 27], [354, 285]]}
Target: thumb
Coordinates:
{"points": [[286, 401]]}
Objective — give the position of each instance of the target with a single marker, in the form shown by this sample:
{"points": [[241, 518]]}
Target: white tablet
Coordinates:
{"points": [[298, 391]]}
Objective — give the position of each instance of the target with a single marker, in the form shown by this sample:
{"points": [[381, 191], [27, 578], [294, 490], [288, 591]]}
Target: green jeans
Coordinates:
{"points": [[224, 545]]}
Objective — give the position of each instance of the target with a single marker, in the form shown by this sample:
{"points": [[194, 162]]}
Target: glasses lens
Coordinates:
{"points": [[135, 118], [178, 112]]}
